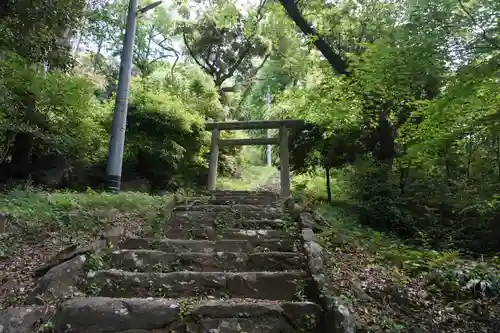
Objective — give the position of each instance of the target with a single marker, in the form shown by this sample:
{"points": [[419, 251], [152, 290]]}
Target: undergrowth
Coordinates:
{"points": [[394, 287], [31, 211], [40, 224]]}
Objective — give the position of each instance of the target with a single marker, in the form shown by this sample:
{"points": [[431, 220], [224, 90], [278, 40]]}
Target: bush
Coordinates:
{"points": [[51, 122], [165, 137]]}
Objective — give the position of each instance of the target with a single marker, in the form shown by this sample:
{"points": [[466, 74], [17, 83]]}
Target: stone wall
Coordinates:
{"points": [[337, 316]]}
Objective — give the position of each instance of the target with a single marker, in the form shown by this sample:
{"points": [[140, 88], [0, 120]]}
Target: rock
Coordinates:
{"points": [[314, 255], [7, 224], [307, 221], [66, 254], [320, 220], [3, 223], [358, 289], [343, 318], [398, 295], [308, 235], [20, 320], [60, 281], [108, 239], [112, 236]]}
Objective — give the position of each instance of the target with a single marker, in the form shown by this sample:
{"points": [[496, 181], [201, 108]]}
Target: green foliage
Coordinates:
{"points": [[37, 210], [413, 126], [39, 31], [65, 120], [444, 272], [166, 136]]}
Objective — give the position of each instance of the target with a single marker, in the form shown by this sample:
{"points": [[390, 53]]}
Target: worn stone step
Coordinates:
{"points": [[235, 223], [286, 286], [237, 208], [105, 315], [230, 200], [269, 194], [207, 246], [225, 212], [214, 233], [163, 262]]}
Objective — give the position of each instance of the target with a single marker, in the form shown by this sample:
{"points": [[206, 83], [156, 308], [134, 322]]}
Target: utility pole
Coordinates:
{"points": [[117, 141], [268, 114]]}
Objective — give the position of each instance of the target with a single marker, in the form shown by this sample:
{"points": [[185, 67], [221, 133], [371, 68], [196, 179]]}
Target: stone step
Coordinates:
{"points": [[104, 315], [207, 246], [275, 224], [212, 233], [225, 212], [230, 200], [236, 208], [268, 194], [286, 286], [164, 262]]}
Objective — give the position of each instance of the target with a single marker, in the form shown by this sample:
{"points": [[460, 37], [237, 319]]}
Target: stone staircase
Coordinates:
{"points": [[229, 263]]}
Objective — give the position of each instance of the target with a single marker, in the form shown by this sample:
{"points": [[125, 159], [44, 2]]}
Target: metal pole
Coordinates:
{"points": [[214, 160], [268, 113], [284, 163], [115, 157]]}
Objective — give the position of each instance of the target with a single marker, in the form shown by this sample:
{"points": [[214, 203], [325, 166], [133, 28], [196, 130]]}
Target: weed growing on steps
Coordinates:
{"points": [[186, 306], [300, 290], [95, 262], [173, 266], [46, 327], [159, 291], [157, 244]]}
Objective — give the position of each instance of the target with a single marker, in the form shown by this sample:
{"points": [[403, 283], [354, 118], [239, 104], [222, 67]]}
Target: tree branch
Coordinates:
{"points": [[248, 43], [335, 60], [171, 49], [250, 80], [493, 42], [191, 53]]}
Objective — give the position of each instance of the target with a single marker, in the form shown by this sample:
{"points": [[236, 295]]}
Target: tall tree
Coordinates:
{"points": [[226, 44]]}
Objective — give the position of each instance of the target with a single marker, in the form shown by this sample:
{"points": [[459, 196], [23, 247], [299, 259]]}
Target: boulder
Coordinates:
{"points": [[20, 320], [3, 223], [109, 238], [60, 282]]}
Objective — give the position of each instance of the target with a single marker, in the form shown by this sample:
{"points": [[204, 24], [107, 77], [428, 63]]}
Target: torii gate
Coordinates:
{"points": [[282, 125]]}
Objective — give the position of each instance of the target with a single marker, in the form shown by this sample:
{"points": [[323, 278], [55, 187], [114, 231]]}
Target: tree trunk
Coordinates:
{"points": [[21, 155], [97, 59], [328, 187], [19, 166], [334, 59]]}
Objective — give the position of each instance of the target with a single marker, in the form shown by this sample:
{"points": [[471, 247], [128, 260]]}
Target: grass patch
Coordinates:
{"points": [[394, 287], [312, 186], [37, 208], [40, 224], [251, 178]]}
